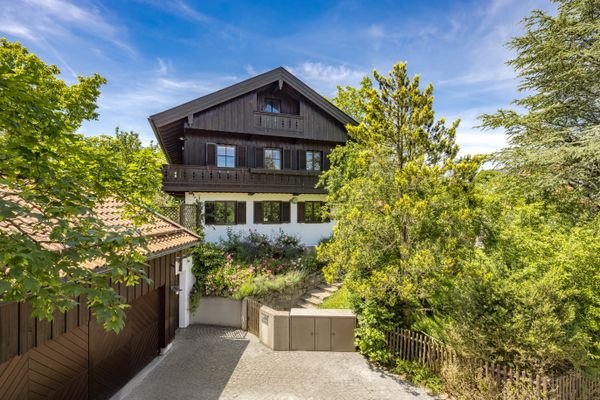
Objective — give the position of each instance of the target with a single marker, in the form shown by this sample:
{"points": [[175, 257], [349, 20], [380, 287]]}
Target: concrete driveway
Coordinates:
{"points": [[221, 363]]}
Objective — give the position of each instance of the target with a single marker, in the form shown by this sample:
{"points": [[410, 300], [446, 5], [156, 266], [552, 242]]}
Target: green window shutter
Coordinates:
{"points": [[209, 212], [301, 212], [258, 212], [285, 212]]}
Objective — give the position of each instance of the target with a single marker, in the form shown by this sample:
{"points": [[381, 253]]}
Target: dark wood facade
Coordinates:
{"points": [[243, 116], [72, 357]]}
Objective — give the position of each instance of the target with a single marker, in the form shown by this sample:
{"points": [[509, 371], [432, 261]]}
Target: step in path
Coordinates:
{"points": [[313, 298]]}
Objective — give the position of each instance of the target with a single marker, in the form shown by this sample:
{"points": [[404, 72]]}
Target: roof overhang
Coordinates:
{"points": [[168, 125]]}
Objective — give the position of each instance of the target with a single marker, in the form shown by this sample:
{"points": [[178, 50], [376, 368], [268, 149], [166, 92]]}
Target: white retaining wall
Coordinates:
{"points": [[310, 234]]}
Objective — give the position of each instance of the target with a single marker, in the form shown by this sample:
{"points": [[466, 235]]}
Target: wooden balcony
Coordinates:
{"points": [[189, 178], [278, 122]]}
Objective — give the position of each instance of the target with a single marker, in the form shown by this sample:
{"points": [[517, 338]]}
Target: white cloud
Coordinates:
{"points": [[250, 70], [376, 31], [47, 21], [128, 103], [325, 77]]}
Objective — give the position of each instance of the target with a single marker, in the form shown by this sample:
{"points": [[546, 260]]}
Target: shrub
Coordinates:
{"points": [[206, 257], [257, 246], [263, 284], [419, 375]]}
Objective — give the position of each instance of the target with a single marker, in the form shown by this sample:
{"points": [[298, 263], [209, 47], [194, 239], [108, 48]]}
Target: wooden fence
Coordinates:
{"points": [[253, 316], [427, 351]]}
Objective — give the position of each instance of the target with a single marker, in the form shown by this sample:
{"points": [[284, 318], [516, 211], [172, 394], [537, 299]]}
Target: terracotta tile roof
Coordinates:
{"points": [[163, 235]]}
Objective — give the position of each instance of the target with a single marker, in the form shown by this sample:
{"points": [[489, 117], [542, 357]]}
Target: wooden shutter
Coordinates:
{"points": [[287, 159], [259, 158], [240, 156], [211, 154], [209, 212], [285, 212], [301, 212], [302, 160], [325, 160], [258, 212], [240, 212]]}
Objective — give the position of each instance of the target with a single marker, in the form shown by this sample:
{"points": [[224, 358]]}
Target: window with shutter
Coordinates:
{"points": [[312, 212], [300, 212], [287, 159], [211, 154], [209, 212], [258, 212], [240, 218], [271, 212], [301, 160], [285, 212], [220, 212], [241, 156], [258, 159]]}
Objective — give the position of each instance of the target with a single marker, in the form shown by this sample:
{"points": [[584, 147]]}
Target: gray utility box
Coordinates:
{"points": [[322, 329]]}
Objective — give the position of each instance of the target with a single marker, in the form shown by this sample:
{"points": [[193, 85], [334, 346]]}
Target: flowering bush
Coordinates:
{"points": [[245, 265]]}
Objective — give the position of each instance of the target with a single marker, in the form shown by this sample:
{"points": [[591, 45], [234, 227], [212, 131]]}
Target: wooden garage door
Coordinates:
{"points": [[115, 359]]}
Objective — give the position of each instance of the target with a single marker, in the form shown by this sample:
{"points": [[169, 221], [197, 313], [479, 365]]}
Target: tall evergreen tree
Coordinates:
{"points": [[555, 138], [400, 198]]}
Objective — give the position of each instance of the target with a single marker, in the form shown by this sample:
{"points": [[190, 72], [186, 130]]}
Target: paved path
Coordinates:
{"points": [[220, 363]]}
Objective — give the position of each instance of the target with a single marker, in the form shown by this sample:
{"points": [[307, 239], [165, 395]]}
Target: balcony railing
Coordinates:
{"points": [[279, 122], [187, 178]]}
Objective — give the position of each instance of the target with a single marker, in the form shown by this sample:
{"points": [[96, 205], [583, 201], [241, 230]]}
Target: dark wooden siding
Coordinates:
{"points": [[240, 115], [50, 359], [289, 101], [196, 143]]}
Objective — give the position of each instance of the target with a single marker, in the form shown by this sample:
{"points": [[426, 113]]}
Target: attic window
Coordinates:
{"points": [[272, 105]]}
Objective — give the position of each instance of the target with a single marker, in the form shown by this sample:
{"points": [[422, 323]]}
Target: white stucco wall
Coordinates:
{"points": [[310, 234]]}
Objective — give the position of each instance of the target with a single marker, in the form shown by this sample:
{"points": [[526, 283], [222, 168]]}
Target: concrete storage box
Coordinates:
{"points": [[322, 329], [274, 328]]}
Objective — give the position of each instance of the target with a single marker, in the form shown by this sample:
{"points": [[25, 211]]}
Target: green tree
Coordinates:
{"points": [[555, 138], [401, 201], [51, 179], [137, 166]]}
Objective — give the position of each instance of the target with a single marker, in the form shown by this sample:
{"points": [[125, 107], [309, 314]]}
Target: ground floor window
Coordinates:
{"points": [[225, 212], [271, 212], [311, 212]]}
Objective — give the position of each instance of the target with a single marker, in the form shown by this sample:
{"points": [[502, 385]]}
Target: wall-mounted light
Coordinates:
{"points": [[176, 289]]}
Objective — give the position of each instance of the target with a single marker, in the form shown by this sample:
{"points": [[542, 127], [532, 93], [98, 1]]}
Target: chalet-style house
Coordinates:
{"points": [[251, 154], [72, 356]]}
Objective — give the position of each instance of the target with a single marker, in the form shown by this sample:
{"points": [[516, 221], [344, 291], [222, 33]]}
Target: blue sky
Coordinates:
{"points": [[158, 54]]}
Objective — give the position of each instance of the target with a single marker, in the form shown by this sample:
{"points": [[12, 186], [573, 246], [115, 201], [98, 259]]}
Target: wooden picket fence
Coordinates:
{"points": [[427, 351]]}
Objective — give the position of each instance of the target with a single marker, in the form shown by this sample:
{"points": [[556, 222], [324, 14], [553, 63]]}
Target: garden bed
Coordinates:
{"points": [[277, 270]]}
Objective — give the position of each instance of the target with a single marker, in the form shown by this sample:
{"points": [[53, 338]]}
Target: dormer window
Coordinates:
{"points": [[272, 106]]}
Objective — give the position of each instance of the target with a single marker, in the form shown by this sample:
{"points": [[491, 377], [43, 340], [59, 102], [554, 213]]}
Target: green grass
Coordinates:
{"points": [[339, 299]]}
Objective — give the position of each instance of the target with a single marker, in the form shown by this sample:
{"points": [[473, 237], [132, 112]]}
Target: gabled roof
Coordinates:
{"points": [[166, 122]]}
